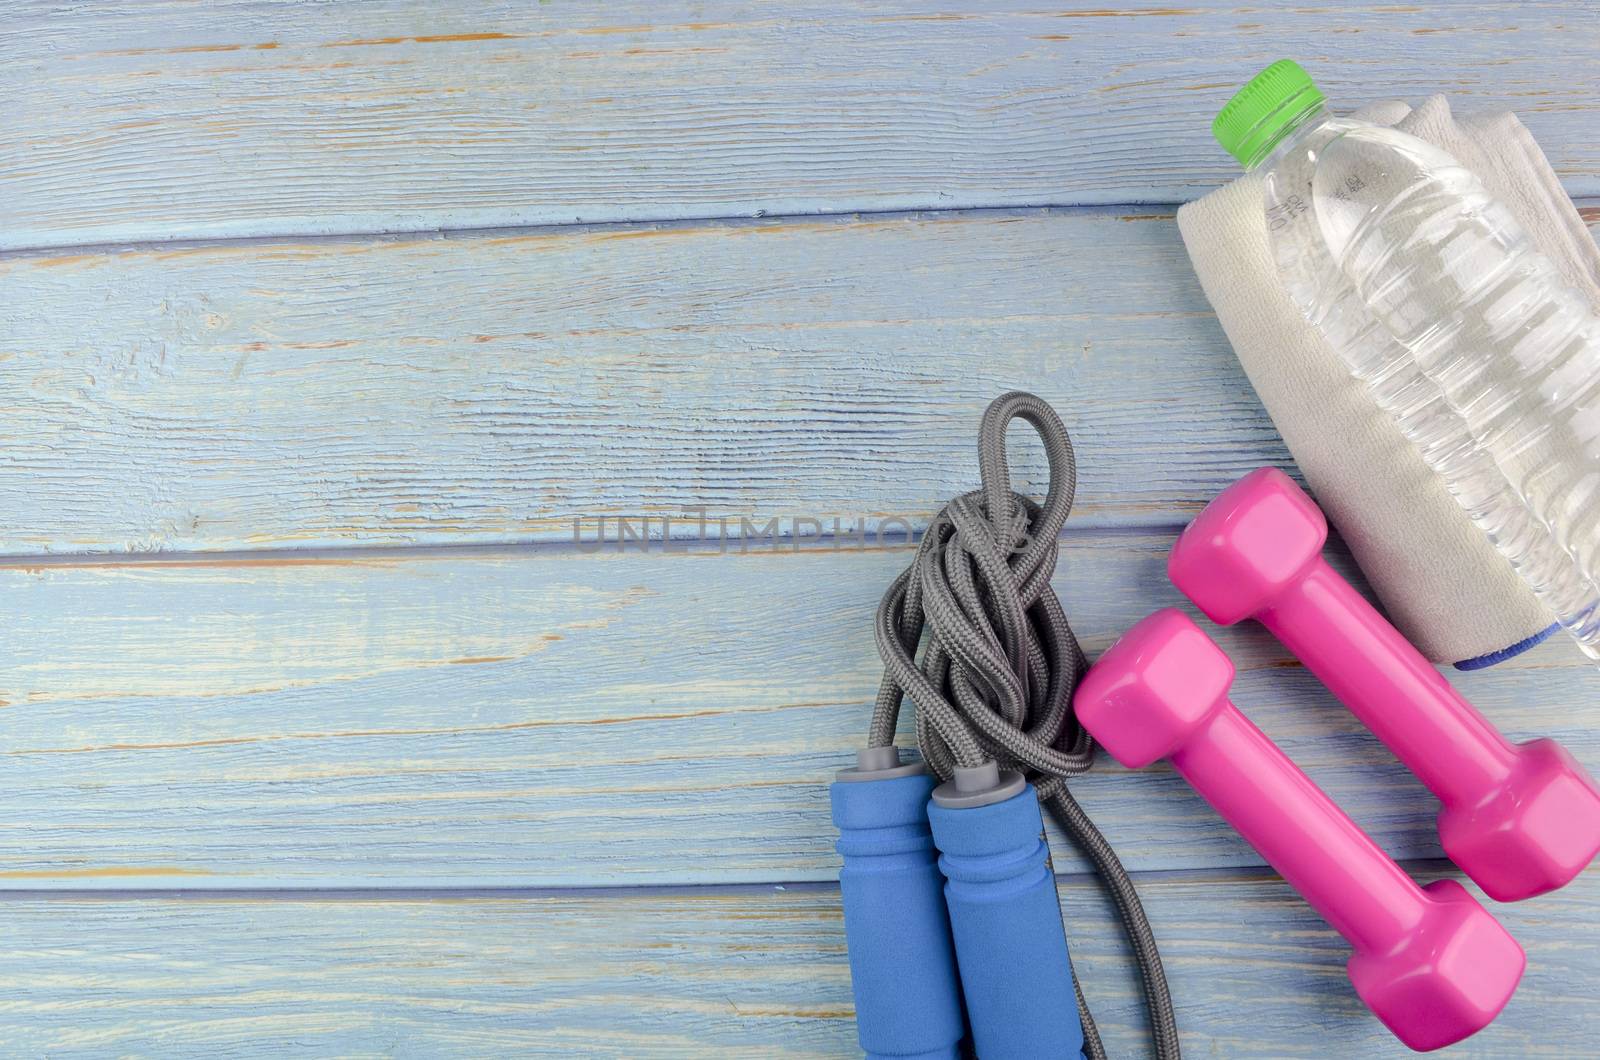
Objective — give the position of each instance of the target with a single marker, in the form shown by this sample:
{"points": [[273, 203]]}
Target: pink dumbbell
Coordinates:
{"points": [[1520, 819], [1431, 962]]}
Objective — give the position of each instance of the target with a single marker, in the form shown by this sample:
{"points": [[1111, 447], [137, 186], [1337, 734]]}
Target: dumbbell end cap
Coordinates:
{"points": [[1539, 831], [1254, 539], [1453, 975], [1153, 688]]}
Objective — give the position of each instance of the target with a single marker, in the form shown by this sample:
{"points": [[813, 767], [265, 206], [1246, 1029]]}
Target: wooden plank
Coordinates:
{"points": [[165, 120], [430, 390], [696, 973], [425, 391], [544, 717]]}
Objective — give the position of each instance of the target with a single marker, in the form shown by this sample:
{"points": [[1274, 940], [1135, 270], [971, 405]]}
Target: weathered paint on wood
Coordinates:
{"points": [[690, 974], [468, 717], [164, 120], [432, 390], [550, 717]]}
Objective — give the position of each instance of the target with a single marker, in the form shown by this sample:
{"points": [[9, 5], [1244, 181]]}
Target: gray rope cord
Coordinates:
{"points": [[1000, 662]]}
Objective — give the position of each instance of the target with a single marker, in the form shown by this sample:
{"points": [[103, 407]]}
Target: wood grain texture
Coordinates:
{"points": [[546, 717], [690, 974], [168, 120], [431, 390]]}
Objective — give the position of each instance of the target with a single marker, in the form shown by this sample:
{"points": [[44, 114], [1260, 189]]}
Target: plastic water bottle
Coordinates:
{"points": [[1439, 302]]}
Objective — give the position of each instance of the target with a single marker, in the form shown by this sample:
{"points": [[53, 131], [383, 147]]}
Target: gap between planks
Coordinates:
{"points": [[1425, 867], [1142, 211], [333, 555], [1588, 209]]}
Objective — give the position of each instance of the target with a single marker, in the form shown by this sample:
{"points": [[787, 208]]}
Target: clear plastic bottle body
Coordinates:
{"points": [[1330, 187]]}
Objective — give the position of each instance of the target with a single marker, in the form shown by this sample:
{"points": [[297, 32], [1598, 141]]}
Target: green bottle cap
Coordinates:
{"points": [[1251, 122]]}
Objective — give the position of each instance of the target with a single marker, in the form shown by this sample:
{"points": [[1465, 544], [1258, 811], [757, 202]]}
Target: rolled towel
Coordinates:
{"points": [[1442, 582]]}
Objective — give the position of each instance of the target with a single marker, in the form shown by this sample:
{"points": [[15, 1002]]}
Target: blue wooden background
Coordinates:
{"points": [[320, 324]]}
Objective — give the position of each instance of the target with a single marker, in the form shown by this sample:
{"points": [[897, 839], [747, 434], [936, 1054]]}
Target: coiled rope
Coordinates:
{"points": [[1000, 663]]}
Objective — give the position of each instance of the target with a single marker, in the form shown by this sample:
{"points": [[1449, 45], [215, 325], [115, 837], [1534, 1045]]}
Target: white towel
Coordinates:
{"points": [[1443, 583]]}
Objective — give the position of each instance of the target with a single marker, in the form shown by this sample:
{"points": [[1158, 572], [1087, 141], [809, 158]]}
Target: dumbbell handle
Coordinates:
{"points": [[1386, 683], [1312, 843]]}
